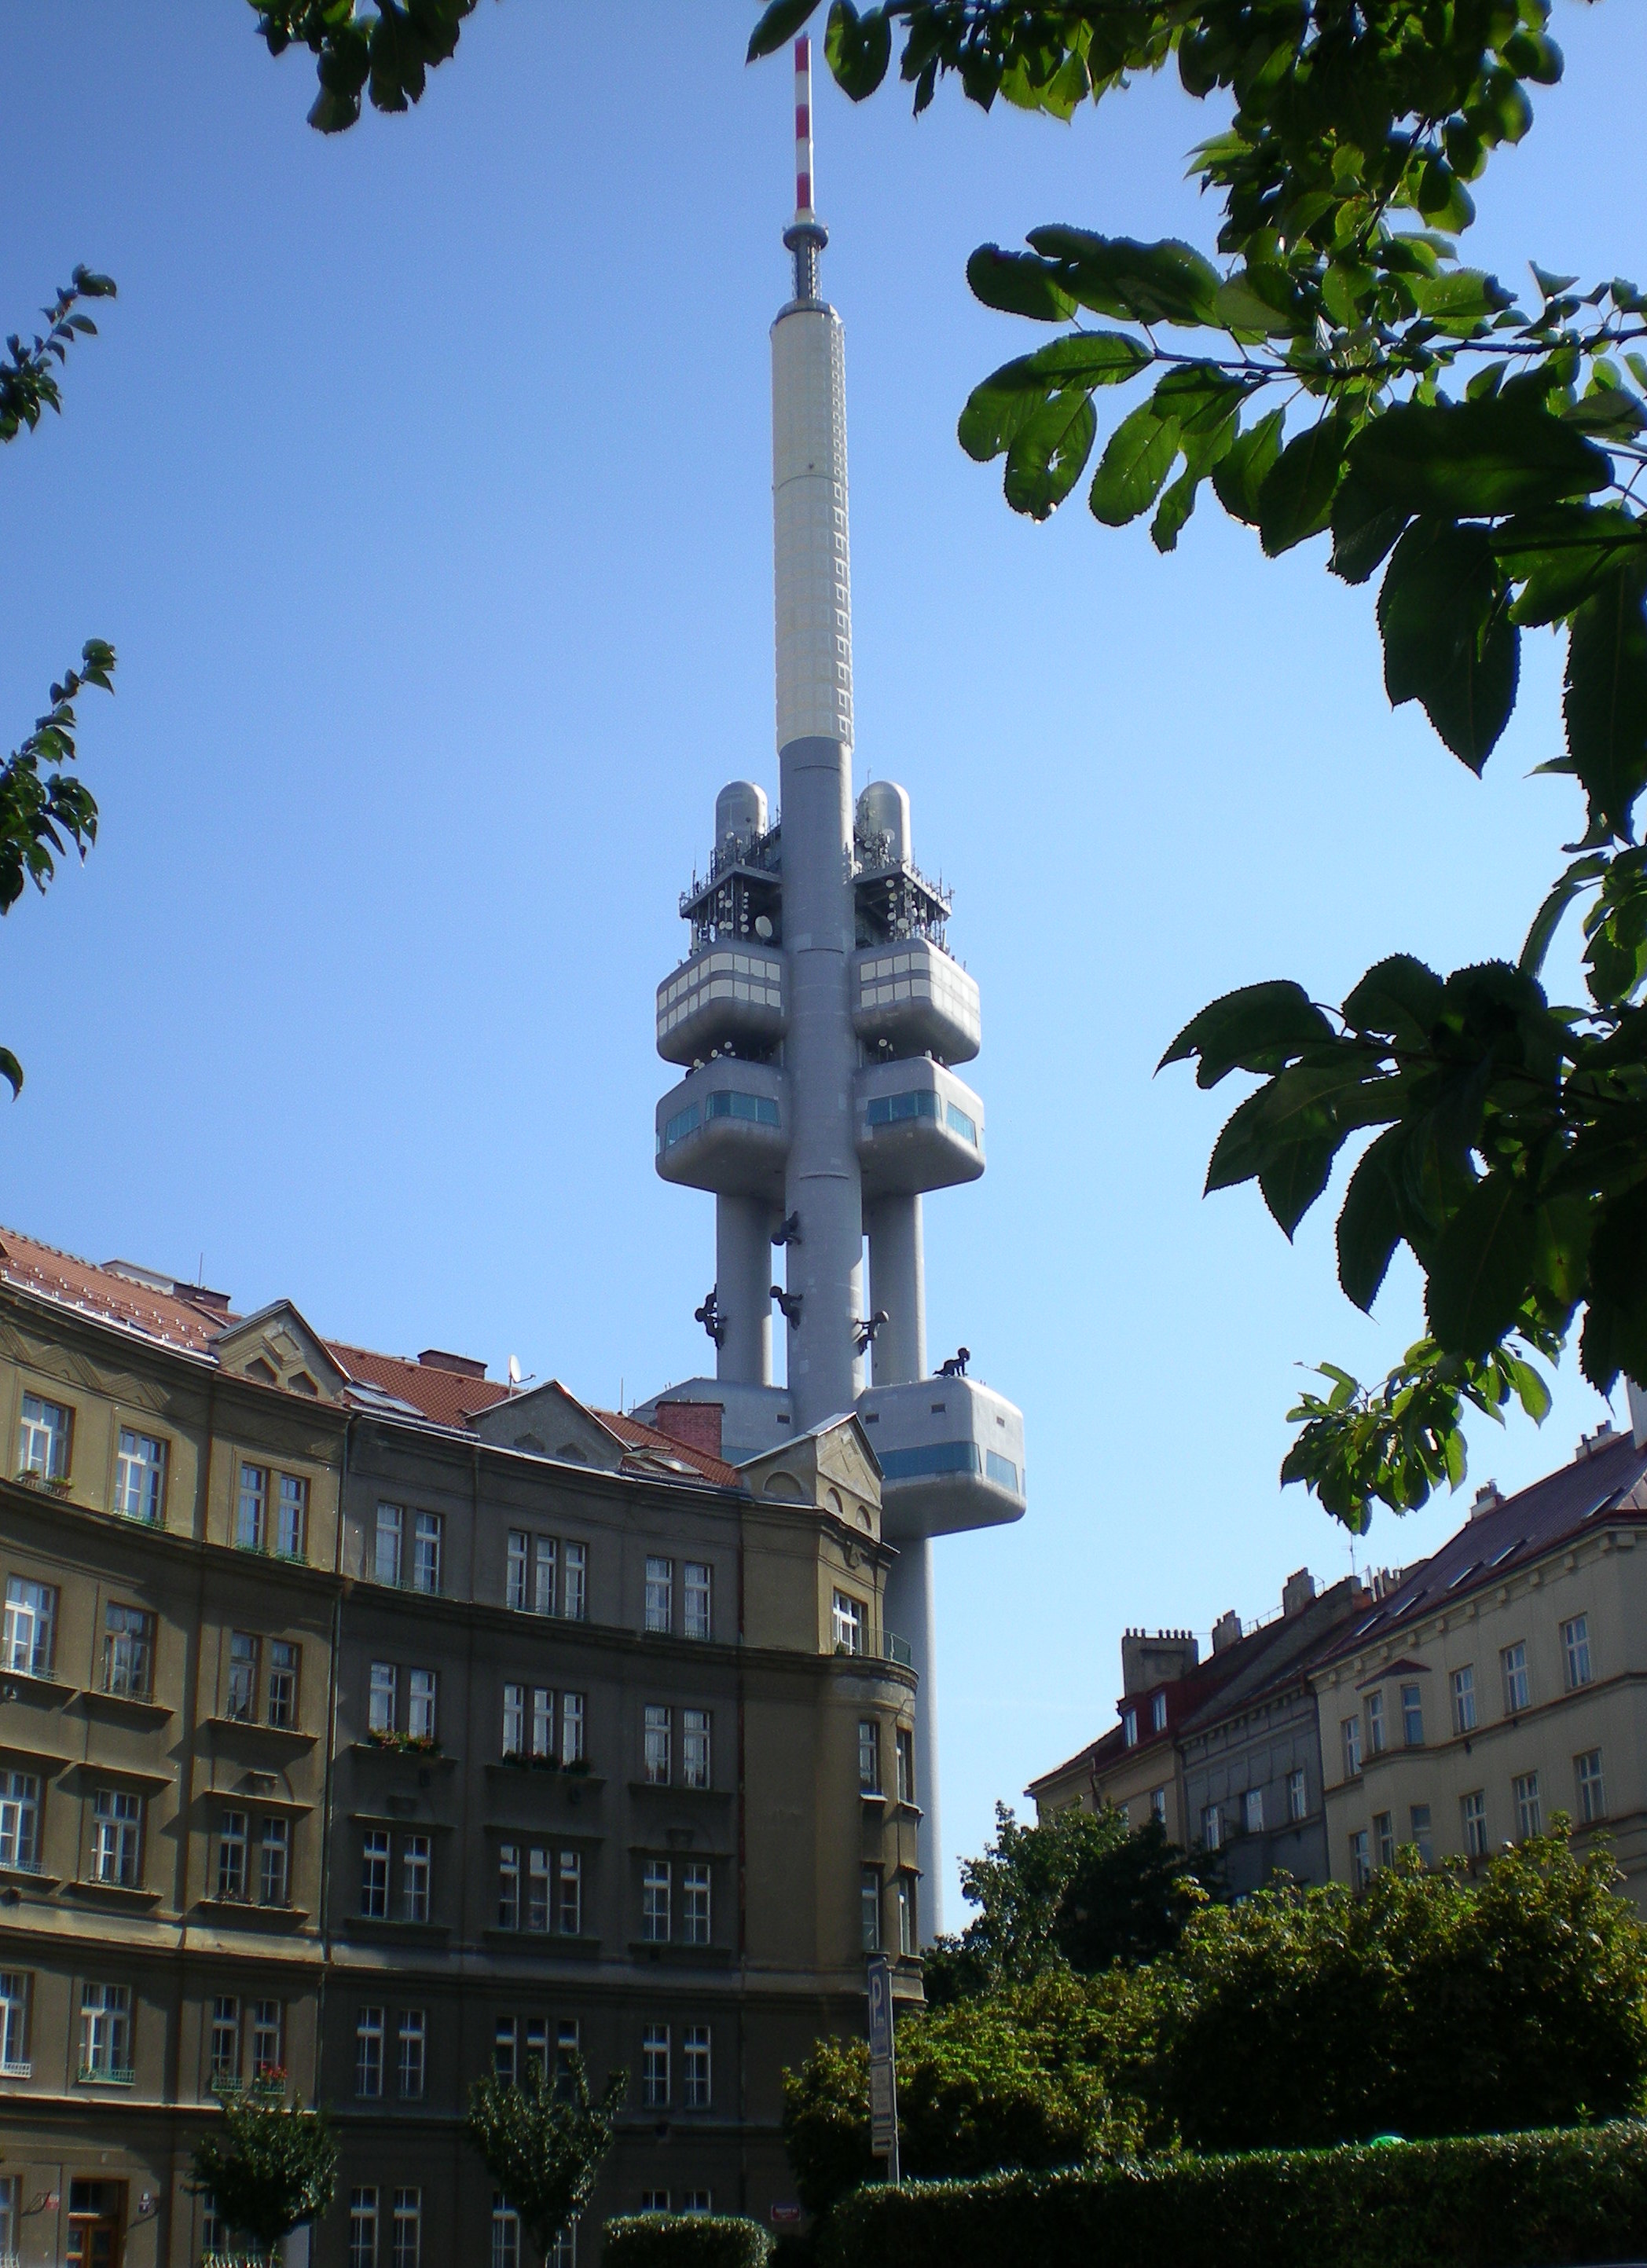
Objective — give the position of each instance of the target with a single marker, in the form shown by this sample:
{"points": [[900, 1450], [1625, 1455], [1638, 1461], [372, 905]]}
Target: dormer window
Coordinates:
{"points": [[1159, 1713], [1129, 1728]]}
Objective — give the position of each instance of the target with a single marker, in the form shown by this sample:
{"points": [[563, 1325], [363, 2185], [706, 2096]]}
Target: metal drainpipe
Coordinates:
{"points": [[332, 1756]]}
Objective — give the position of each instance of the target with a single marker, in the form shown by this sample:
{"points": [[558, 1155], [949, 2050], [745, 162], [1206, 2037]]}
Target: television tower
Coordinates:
{"points": [[820, 1016]]}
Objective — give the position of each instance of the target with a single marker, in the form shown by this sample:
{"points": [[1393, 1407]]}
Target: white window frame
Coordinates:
{"points": [[513, 1719], [695, 1902], [20, 1822], [406, 2229], [1463, 1683], [546, 1576], [698, 1599], [515, 1571], [573, 1717], [848, 1620], [1211, 1827], [422, 1695], [1360, 1861], [1297, 1795], [274, 1862], [45, 1437], [106, 2034], [116, 1855], [269, 2035], [657, 1725], [411, 2060], [428, 1552], [870, 1908], [31, 1627], [696, 2071], [370, 2025], [1252, 1811], [1591, 1787], [140, 1476], [376, 1858], [1518, 1685], [1529, 1803], [1576, 1652], [383, 1697], [223, 2041], [1350, 1732], [660, 1599], [251, 1507], [575, 1581], [234, 1856], [1376, 1726], [1411, 1713], [418, 1877], [388, 1546], [569, 1894], [654, 2067], [363, 2227], [1472, 1817], [15, 1996], [291, 1516], [655, 1885], [697, 1748]]}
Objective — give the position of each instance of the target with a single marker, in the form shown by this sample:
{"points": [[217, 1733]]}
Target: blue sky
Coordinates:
{"points": [[421, 478]]}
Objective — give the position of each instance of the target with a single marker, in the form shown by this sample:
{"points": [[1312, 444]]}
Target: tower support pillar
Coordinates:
{"points": [[898, 1286], [743, 1262], [911, 1611]]}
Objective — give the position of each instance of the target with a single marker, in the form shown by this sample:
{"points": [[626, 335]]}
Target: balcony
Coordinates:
{"points": [[897, 1649], [725, 1128], [105, 2075], [918, 1127]]}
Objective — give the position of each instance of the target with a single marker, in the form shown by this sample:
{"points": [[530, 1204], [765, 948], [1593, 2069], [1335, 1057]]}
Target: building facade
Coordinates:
{"points": [[364, 1721], [1502, 1681]]}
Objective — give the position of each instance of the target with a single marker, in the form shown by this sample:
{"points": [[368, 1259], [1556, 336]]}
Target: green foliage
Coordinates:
{"points": [[1431, 2005], [1505, 2201], [542, 2139], [684, 2240], [1077, 1891], [1342, 372], [269, 2166], [386, 50], [28, 376], [1015, 2079]]}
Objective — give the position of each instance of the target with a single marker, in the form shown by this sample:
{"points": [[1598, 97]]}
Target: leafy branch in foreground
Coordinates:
{"points": [[384, 51], [542, 2139], [37, 811], [1339, 373], [270, 2165], [28, 376]]}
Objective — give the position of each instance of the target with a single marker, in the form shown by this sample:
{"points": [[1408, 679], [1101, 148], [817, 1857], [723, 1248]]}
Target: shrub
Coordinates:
{"points": [[684, 2240], [1502, 2201], [1016, 2080]]}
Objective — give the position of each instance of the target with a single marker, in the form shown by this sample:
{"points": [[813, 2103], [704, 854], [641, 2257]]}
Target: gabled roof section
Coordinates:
{"points": [[547, 1421], [133, 1303], [276, 1347], [446, 1398], [1495, 1545], [830, 1468]]}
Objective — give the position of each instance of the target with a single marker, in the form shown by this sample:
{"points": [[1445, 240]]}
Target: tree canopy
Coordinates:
{"points": [[542, 2138], [269, 2166]]}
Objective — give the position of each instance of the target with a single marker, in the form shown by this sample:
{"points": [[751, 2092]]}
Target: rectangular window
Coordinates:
{"points": [[127, 1653], [1375, 1723], [1413, 1716], [654, 2067], [233, 1829], [420, 1704], [19, 1822], [660, 1595], [571, 1716], [1158, 1806], [694, 2074], [251, 1518], [293, 1522], [116, 1836], [43, 1438], [1528, 1814], [1351, 1730], [1464, 1698], [283, 1684], [1158, 1713], [695, 1902], [244, 1653], [106, 2033], [1384, 1836], [369, 2054], [410, 2066], [1129, 1728], [655, 1902], [31, 1622], [505, 2234], [1514, 1659], [569, 1886], [1473, 1809], [697, 2201], [656, 1738], [381, 1704], [268, 2027], [406, 2241], [1297, 1795], [1212, 1828], [363, 2229], [503, 2049], [1576, 1650], [848, 1622], [870, 1908], [275, 1863], [1252, 1811], [548, 1569], [904, 1742], [698, 1599], [514, 1720], [904, 1891], [543, 1720], [1359, 1865], [426, 1552], [374, 1874], [563, 2251], [10, 2214], [654, 2200], [575, 1596], [508, 1886], [537, 1862], [695, 1755], [1593, 1802], [416, 1869], [140, 1476], [14, 2058], [869, 1756], [388, 1543], [515, 1578], [1419, 1821], [226, 2039]]}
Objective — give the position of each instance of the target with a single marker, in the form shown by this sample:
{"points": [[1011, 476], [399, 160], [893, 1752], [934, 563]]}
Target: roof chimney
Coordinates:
{"points": [[461, 1365], [1297, 1591], [1226, 1630], [1155, 1658], [1487, 1499], [1589, 1443], [695, 1425]]}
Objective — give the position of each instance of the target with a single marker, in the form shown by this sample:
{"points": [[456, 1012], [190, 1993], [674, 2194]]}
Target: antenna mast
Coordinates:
{"points": [[806, 235]]}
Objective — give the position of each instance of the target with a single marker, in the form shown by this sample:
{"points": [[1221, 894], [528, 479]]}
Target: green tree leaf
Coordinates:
{"points": [[1134, 467], [1167, 281], [857, 48], [1049, 453], [1240, 473], [1256, 1029], [1296, 500], [1448, 638], [1018, 285], [776, 25], [1370, 1219], [1605, 703], [1480, 1268], [997, 411], [1473, 459]]}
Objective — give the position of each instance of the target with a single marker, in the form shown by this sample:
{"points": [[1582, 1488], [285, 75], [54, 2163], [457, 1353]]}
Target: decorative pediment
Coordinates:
{"points": [[832, 1469], [547, 1421], [276, 1347]]}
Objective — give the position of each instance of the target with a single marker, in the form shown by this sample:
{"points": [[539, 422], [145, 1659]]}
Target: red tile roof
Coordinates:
{"points": [[657, 1447], [111, 1297], [444, 1395]]}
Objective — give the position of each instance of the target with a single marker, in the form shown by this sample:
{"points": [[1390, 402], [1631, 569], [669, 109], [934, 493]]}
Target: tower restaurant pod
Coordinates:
{"points": [[818, 1020]]}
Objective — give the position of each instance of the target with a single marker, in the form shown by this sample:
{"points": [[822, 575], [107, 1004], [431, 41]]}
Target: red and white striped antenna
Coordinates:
{"points": [[803, 129], [806, 235]]}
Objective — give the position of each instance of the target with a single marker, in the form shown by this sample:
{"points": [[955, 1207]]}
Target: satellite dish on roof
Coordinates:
{"points": [[514, 1370]]}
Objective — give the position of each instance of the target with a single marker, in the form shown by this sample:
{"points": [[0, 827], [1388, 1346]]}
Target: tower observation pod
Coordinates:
{"points": [[818, 1018]]}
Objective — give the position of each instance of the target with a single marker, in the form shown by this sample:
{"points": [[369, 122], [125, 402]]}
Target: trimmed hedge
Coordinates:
{"points": [[684, 2240], [1541, 2200]]}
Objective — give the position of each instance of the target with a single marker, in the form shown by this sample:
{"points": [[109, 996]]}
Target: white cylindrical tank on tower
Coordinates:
{"points": [[740, 813], [884, 810]]}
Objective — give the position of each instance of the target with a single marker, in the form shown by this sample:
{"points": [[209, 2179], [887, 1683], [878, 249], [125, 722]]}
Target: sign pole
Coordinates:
{"points": [[882, 2071]]}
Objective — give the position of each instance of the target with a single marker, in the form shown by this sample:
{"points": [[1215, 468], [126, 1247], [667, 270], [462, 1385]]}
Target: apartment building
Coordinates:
{"points": [[363, 1720], [1502, 1681]]}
